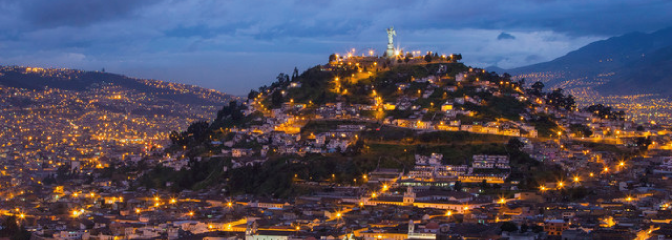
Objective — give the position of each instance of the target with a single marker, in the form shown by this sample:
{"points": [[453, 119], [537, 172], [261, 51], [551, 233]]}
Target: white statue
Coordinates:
{"points": [[390, 36]]}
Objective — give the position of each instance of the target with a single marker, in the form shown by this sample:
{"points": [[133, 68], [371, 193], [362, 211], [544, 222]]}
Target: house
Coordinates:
{"points": [[555, 227]]}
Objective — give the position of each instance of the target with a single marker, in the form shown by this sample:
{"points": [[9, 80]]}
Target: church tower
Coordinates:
{"points": [[251, 230], [409, 196]]}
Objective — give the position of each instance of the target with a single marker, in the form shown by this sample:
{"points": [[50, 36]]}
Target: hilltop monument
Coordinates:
{"points": [[390, 42]]}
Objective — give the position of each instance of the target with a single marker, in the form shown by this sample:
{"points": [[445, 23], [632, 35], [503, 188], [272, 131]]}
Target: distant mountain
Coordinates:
{"points": [[77, 80], [495, 69], [627, 64]]}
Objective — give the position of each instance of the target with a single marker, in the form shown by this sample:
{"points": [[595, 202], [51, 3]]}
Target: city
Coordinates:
{"points": [[387, 134]]}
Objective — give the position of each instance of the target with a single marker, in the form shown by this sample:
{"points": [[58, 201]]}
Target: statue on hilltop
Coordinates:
{"points": [[391, 33], [390, 36]]}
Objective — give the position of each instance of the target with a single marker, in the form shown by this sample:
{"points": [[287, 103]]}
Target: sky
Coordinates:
{"points": [[234, 46]]}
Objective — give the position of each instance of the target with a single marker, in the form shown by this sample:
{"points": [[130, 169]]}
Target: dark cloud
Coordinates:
{"points": [[48, 13], [134, 36], [505, 36], [533, 58]]}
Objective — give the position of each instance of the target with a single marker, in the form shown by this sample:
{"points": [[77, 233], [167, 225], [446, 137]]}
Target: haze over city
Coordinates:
{"points": [[233, 46]]}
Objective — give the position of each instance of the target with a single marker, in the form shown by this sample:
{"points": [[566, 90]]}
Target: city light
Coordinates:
{"points": [[436, 135]]}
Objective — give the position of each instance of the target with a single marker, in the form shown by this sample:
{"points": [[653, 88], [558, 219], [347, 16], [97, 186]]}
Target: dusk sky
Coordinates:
{"points": [[234, 46]]}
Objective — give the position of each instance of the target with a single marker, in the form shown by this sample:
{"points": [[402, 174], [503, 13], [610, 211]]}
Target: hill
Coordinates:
{"points": [[629, 64], [32, 78], [335, 123]]}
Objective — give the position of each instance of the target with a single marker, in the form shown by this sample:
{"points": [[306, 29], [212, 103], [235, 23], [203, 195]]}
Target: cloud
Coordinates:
{"points": [[48, 14], [505, 36], [239, 44]]}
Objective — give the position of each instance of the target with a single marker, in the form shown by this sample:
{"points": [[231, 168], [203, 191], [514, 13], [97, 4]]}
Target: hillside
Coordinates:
{"points": [[77, 80], [334, 123], [627, 64]]}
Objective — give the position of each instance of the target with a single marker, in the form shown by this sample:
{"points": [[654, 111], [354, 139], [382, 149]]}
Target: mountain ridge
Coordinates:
{"points": [[35, 78], [627, 59]]}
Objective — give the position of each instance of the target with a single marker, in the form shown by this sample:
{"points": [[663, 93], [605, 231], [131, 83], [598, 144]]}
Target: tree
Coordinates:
{"points": [[175, 138], [11, 229], [277, 99], [457, 186], [357, 148], [643, 143], [524, 228], [515, 144], [521, 82], [253, 94], [236, 111], [428, 58], [282, 78], [509, 227], [199, 131], [537, 88], [605, 112], [506, 76], [559, 100], [332, 57], [457, 57], [484, 185], [295, 74]]}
